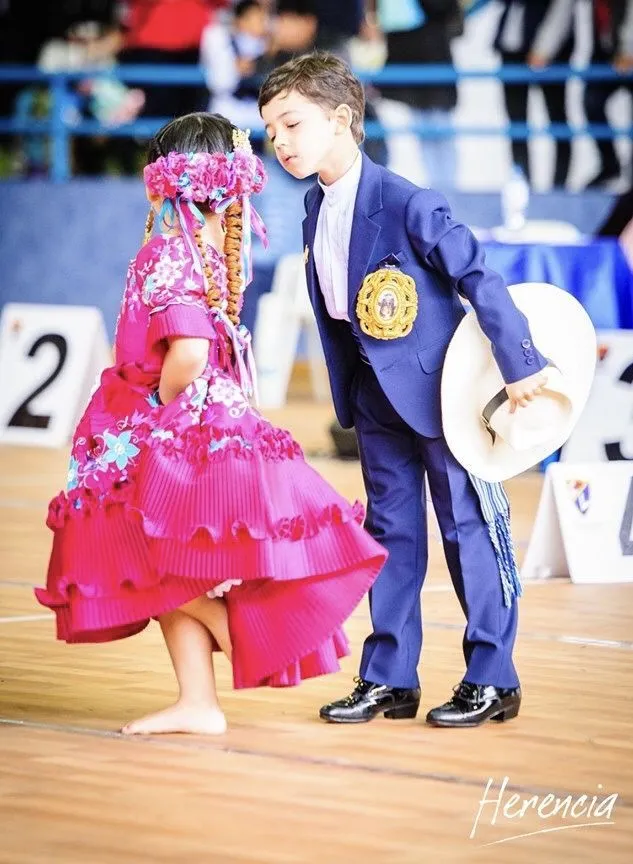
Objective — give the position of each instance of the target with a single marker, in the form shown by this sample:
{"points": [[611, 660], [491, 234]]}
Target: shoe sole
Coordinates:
{"points": [[500, 717], [402, 712]]}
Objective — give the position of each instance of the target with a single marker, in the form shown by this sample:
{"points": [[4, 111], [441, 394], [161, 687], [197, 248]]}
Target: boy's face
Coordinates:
{"points": [[303, 133]]}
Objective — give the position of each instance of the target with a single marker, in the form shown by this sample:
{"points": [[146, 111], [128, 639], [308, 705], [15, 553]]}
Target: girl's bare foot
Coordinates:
{"points": [[181, 717]]}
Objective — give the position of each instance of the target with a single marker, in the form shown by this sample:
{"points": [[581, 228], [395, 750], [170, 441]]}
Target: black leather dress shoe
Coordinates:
{"points": [[368, 700], [473, 704]]}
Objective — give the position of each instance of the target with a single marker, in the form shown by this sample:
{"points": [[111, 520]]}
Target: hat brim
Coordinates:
{"points": [[562, 331]]}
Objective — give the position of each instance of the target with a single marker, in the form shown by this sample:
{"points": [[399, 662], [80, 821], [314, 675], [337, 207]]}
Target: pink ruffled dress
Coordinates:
{"points": [[167, 503]]}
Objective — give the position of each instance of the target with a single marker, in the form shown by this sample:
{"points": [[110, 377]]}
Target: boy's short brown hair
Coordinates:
{"points": [[323, 79]]}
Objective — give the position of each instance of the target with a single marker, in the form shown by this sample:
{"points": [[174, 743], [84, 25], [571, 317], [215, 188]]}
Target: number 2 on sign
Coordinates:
{"points": [[22, 416]]}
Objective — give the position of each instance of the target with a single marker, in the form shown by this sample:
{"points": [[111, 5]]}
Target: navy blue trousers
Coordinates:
{"points": [[395, 460]]}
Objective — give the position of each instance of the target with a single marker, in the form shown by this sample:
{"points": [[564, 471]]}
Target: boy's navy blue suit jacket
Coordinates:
{"points": [[393, 217]]}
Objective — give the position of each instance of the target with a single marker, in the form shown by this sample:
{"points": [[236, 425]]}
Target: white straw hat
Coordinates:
{"points": [[484, 437]]}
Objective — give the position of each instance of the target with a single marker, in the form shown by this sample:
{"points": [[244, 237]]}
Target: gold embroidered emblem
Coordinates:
{"points": [[387, 304]]}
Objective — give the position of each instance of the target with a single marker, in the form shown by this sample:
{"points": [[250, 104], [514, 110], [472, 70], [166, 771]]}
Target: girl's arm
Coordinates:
{"points": [[186, 360]]}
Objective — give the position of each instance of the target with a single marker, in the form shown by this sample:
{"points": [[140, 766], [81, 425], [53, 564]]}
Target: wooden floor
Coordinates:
{"points": [[282, 786]]}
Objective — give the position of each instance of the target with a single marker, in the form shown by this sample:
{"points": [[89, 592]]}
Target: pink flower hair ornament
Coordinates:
{"points": [[219, 179], [202, 177]]}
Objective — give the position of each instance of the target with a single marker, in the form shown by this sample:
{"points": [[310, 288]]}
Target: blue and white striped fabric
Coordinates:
{"points": [[495, 508]]}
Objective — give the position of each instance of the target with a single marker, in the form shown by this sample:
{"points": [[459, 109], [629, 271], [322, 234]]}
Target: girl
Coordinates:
{"points": [[183, 503]]}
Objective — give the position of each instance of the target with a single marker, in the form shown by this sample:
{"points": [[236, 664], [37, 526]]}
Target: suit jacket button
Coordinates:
{"points": [[526, 343], [529, 360]]}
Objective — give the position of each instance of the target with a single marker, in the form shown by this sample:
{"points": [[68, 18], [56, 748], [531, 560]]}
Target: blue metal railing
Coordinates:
{"points": [[60, 130]]}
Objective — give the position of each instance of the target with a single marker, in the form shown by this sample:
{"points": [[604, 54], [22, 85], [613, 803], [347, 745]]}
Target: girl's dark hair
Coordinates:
{"points": [[206, 133], [193, 133]]}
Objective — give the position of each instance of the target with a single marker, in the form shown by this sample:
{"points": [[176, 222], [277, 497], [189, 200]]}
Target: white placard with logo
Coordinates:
{"points": [[584, 524], [604, 431], [50, 360]]}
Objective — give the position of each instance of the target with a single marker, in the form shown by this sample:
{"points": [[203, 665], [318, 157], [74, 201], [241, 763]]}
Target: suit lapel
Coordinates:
{"points": [[365, 230], [309, 232]]}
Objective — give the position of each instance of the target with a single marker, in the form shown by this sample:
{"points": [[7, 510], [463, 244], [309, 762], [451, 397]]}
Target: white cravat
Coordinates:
{"points": [[332, 238]]}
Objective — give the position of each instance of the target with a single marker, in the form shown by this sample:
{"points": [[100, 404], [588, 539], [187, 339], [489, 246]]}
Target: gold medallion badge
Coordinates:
{"points": [[387, 304]]}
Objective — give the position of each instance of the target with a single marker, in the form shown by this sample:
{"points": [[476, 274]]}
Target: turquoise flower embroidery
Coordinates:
{"points": [[120, 450], [149, 286], [197, 399], [223, 442], [72, 478], [152, 400]]}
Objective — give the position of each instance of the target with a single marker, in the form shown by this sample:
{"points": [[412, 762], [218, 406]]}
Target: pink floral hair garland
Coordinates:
{"points": [[212, 177]]}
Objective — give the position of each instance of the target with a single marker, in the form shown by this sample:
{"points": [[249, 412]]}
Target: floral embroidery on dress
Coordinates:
{"points": [[172, 279], [227, 440], [72, 477], [162, 434], [168, 271], [119, 449], [224, 391], [195, 397], [200, 425]]}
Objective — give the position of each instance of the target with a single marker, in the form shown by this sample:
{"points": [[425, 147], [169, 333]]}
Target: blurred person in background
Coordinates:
{"points": [[230, 50], [420, 32], [323, 25], [103, 98], [159, 32], [524, 26], [162, 32], [612, 26], [26, 27]]}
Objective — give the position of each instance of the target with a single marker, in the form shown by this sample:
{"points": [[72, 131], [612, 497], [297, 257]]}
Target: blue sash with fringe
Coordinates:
{"points": [[495, 508]]}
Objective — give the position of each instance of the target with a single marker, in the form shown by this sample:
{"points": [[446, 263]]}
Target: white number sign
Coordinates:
{"points": [[50, 357]]}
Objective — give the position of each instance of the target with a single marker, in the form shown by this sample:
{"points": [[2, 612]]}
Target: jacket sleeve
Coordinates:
{"points": [[451, 249]]}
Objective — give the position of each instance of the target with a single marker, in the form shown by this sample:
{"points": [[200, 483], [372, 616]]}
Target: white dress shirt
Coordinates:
{"points": [[332, 238]]}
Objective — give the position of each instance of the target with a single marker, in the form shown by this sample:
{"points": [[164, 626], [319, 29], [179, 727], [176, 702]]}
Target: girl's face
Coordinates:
{"points": [[303, 133]]}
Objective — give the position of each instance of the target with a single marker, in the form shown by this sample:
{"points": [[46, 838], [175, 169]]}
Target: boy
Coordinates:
{"points": [[385, 368]]}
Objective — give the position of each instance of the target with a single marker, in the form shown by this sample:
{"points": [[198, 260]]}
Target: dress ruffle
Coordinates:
{"points": [[166, 504], [211, 504]]}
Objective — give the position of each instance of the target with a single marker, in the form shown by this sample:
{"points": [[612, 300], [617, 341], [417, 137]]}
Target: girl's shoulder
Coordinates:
{"points": [[167, 273], [161, 247], [166, 258]]}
